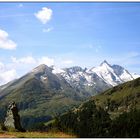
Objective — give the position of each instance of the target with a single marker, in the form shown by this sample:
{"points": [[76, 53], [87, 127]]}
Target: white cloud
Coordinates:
{"points": [[67, 62], [47, 30], [44, 15], [1, 66], [46, 60], [24, 60], [6, 74], [31, 61], [5, 42]]}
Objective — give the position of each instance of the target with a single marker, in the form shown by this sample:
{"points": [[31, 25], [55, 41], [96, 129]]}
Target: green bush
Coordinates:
{"points": [[86, 121], [126, 125]]}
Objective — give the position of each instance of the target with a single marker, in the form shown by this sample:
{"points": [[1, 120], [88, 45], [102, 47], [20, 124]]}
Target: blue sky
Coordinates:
{"points": [[68, 34]]}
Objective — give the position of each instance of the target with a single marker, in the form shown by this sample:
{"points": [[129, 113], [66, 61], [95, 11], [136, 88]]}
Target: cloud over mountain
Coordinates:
{"points": [[6, 74], [24, 60], [5, 42]]}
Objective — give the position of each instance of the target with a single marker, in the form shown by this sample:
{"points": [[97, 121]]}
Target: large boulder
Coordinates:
{"points": [[12, 119]]}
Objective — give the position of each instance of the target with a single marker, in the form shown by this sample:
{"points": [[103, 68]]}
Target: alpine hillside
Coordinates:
{"points": [[46, 91], [122, 98], [112, 114]]}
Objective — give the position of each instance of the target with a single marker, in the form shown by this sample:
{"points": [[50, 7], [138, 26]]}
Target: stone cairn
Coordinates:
{"points": [[12, 119]]}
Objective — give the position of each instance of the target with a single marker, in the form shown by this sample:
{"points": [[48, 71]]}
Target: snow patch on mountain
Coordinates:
{"points": [[57, 70], [135, 76], [126, 76], [105, 72]]}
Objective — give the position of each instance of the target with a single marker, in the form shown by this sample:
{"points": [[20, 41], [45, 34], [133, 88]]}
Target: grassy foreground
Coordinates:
{"points": [[35, 135]]}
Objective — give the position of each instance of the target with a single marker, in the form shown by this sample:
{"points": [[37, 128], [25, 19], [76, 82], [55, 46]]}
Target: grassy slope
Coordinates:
{"points": [[35, 135], [89, 121], [126, 96], [34, 100]]}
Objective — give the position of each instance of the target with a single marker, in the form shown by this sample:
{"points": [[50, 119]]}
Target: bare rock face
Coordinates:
{"points": [[12, 120]]}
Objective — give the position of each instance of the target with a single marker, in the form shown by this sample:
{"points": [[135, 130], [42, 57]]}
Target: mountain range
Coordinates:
{"points": [[110, 75], [47, 91]]}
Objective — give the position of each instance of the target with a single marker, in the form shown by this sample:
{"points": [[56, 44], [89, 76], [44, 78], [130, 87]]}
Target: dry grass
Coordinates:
{"points": [[35, 135], [6, 135]]}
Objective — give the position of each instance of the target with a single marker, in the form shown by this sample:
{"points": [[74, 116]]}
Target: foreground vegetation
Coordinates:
{"points": [[113, 114], [89, 122], [51, 134], [121, 98]]}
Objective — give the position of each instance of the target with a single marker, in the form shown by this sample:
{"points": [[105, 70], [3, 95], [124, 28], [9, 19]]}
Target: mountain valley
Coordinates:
{"points": [[46, 92]]}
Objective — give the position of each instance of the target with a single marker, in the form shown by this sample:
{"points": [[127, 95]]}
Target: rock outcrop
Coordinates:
{"points": [[12, 119]]}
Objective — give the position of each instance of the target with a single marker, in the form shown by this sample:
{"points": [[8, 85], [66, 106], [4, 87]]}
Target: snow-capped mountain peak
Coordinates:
{"points": [[122, 73], [105, 63], [105, 71], [112, 74], [41, 68], [76, 76]]}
